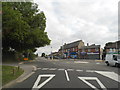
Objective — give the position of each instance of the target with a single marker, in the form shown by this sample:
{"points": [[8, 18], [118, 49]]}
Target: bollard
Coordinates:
{"points": [[18, 68], [13, 71]]}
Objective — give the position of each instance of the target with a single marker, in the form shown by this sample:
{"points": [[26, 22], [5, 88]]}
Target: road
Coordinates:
{"points": [[75, 74]]}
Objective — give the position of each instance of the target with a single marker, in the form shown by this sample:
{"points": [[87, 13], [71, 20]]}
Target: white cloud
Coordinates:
{"points": [[93, 21]]}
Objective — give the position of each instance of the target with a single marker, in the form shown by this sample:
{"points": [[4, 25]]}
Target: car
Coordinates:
{"points": [[112, 59]]}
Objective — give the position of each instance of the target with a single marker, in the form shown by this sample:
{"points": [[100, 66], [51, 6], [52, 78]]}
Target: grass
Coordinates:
{"points": [[0, 75], [8, 75]]}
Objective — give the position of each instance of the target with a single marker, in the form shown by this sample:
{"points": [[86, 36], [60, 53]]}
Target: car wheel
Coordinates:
{"points": [[116, 64], [107, 64]]}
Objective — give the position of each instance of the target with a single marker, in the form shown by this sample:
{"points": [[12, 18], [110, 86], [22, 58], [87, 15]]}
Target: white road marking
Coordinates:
{"points": [[21, 62], [37, 85], [38, 68], [61, 69], [92, 78], [79, 70], [52, 68], [35, 68], [97, 63], [70, 69], [110, 75], [90, 70], [66, 73], [80, 62], [44, 68]]}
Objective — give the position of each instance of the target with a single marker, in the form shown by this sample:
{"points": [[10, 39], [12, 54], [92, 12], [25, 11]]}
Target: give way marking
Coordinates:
{"points": [[37, 86], [92, 78], [110, 75]]}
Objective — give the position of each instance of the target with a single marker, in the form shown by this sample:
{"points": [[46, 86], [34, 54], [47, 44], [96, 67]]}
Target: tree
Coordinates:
{"points": [[23, 27]]}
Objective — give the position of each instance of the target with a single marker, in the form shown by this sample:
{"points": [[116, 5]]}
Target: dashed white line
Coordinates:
{"points": [[61, 69], [66, 73], [52, 68], [79, 70], [44, 68], [70, 69], [38, 68], [90, 70]]}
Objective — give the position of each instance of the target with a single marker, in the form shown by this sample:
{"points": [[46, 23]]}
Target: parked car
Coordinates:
{"points": [[112, 59]]}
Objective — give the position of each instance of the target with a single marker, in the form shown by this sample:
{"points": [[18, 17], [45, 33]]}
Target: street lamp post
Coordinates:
{"points": [[62, 49], [51, 54]]}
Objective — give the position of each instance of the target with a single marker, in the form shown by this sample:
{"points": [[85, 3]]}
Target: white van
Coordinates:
{"points": [[112, 59]]}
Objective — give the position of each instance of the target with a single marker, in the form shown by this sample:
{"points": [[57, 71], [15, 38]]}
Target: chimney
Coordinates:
{"points": [[87, 44]]}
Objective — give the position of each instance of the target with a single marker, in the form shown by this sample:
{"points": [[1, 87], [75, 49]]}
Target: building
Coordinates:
{"points": [[90, 52], [111, 47], [70, 50]]}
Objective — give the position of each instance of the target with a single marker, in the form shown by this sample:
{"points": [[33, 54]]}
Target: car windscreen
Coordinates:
{"points": [[114, 57], [118, 56]]}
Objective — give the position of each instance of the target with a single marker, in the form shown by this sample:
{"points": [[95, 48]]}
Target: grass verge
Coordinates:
{"points": [[10, 73]]}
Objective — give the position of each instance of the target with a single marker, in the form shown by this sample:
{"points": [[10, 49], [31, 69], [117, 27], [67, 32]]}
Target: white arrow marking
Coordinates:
{"points": [[36, 86], [92, 78]]}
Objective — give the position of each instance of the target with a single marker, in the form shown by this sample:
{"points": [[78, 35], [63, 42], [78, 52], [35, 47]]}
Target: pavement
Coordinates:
{"points": [[28, 71]]}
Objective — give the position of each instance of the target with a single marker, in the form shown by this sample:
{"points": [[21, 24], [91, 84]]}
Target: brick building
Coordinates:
{"points": [[77, 49], [90, 52], [111, 47], [70, 50]]}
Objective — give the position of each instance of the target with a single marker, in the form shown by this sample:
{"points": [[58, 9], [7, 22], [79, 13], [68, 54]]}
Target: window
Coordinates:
{"points": [[114, 50], [115, 57], [89, 50], [96, 49], [118, 56], [83, 50], [110, 49], [73, 49]]}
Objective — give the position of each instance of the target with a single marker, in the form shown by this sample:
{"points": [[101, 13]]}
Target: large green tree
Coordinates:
{"points": [[23, 26]]}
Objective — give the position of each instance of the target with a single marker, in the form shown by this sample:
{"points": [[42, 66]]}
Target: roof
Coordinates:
{"points": [[91, 46], [113, 44], [71, 45]]}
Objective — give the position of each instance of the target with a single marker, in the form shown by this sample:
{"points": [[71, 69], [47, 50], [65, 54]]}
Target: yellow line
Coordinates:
{"points": [[99, 60]]}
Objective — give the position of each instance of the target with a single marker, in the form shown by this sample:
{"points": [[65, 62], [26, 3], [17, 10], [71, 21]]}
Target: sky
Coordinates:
{"points": [[93, 21]]}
